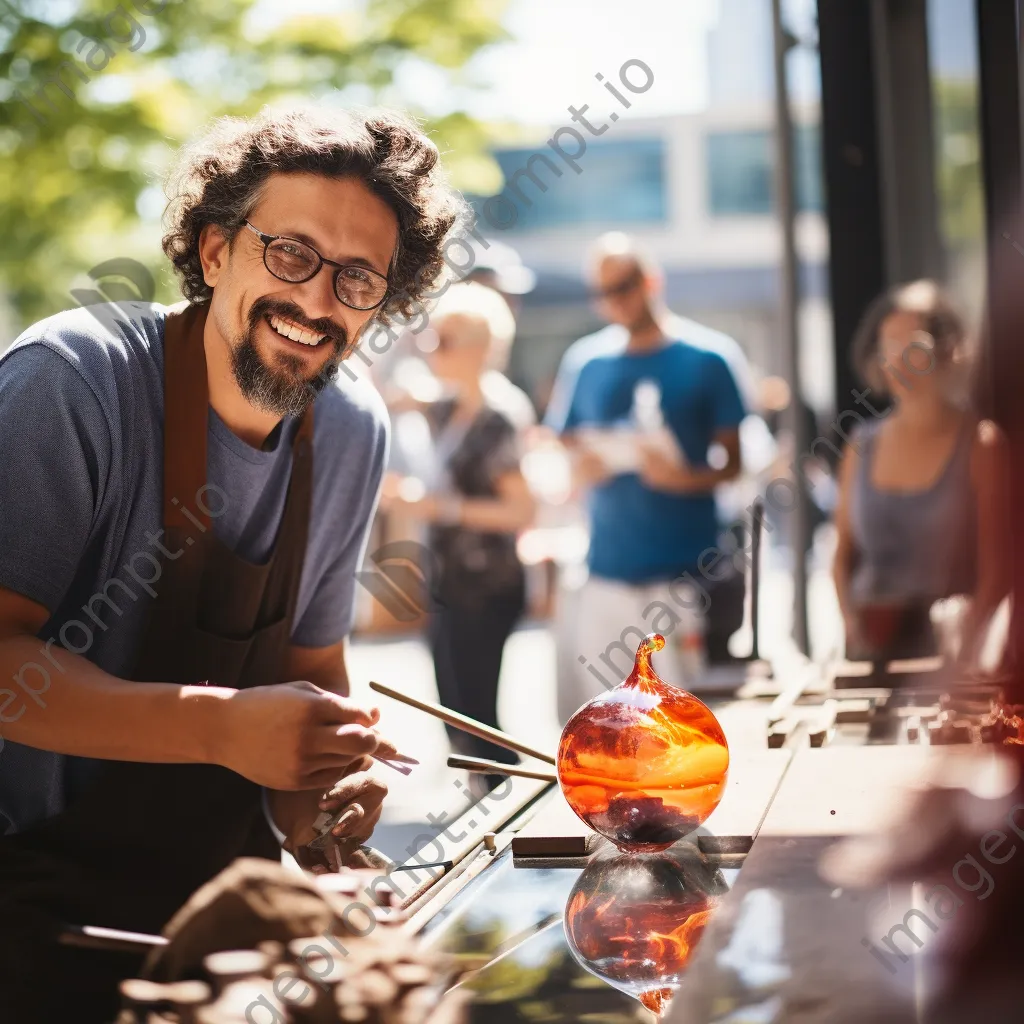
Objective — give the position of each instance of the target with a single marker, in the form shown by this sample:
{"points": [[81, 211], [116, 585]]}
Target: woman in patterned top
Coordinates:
{"points": [[474, 502]]}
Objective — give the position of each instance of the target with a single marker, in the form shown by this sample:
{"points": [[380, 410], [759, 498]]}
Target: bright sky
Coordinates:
{"points": [[559, 46]]}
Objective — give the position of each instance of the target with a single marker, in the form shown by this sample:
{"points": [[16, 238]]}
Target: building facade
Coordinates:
{"points": [[696, 192]]}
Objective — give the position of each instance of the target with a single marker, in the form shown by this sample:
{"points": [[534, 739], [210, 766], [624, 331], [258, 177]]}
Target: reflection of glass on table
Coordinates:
{"points": [[634, 920], [498, 924]]}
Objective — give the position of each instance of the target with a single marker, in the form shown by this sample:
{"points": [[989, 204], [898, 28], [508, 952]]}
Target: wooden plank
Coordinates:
{"points": [[554, 831], [754, 776]]}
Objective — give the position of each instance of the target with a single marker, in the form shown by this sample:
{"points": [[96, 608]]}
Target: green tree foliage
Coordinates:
{"points": [[96, 96], [958, 160]]}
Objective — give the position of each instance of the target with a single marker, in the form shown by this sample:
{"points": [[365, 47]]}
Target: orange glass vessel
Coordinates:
{"points": [[646, 763]]}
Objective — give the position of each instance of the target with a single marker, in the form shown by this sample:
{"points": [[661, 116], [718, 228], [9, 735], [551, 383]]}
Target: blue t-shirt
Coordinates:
{"points": [[81, 484], [640, 535]]}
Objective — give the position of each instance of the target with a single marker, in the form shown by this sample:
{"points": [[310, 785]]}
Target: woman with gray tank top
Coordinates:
{"points": [[923, 505]]}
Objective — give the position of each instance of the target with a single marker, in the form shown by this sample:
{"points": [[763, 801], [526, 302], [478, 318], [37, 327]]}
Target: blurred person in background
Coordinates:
{"points": [[923, 509], [400, 368], [649, 523], [500, 267], [647, 280], [471, 495]]}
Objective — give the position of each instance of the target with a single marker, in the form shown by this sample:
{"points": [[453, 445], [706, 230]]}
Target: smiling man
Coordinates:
{"points": [[185, 500]]}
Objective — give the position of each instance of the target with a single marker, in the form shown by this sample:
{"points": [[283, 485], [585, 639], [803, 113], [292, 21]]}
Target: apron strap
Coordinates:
{"points": [[186, 401]]}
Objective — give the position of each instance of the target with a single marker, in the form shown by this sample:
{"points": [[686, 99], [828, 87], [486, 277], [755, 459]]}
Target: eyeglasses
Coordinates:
{"points": [[293, 261], [615, 291]]}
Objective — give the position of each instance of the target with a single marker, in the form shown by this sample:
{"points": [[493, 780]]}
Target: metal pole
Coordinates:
{"points": [[789, 305], [1002, 111], [756, 528]]}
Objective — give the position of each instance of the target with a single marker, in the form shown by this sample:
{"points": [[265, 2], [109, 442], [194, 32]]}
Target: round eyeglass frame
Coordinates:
{"points": [[268, 240]]}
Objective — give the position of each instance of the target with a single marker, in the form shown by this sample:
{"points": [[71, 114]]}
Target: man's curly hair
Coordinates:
{"points": [[219, 179]]}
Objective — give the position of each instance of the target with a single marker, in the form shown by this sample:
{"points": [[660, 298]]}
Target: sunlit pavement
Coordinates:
{"points": [[527, 696]]}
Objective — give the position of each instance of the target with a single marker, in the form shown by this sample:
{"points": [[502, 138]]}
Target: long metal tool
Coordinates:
{"points": [[111, 939], [465, 723], [482, 765]]}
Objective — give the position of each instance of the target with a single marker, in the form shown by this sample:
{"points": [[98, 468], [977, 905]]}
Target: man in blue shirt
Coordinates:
{"points": [[650, 522]]}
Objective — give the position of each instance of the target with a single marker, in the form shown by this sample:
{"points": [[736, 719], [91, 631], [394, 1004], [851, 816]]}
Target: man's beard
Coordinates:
{"points": [[281, 388]]}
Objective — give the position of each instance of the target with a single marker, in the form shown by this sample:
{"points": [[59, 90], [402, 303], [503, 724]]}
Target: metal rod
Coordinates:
{"points": [[465, 723], [756, 528], [445, 865], [403, 769], [789, 307], [481, 764], [110, 939]]}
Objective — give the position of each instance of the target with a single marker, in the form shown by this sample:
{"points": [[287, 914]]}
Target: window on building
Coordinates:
{"points": [[620, 182], [741, 171]]}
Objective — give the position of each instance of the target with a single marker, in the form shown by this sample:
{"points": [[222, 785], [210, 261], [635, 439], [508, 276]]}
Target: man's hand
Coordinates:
{"points": [[661, 473], [296, 736], [361, 793], [589, 469]]}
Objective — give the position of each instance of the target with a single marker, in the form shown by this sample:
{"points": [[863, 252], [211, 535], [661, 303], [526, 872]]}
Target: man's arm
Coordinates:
{"points": [[323, 666], [64, 703], [294, 736]]}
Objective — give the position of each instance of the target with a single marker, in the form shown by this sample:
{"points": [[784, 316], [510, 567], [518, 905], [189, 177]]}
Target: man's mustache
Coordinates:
{"points": [[265, 307]]}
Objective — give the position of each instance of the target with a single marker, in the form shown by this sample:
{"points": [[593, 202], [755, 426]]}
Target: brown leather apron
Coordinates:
{"points": [[143, 837]]}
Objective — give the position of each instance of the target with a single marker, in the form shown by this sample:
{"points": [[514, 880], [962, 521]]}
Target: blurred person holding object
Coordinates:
{"points": [[470, 493], [923, 504], [186, 494], [651, 494]]}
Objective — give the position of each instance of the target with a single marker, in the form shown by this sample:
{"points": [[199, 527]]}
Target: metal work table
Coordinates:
{"points": [[783, 944]]}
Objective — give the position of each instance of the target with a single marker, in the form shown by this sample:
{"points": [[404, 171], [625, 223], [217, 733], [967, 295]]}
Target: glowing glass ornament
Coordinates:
{"points": [[646, 763]]}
